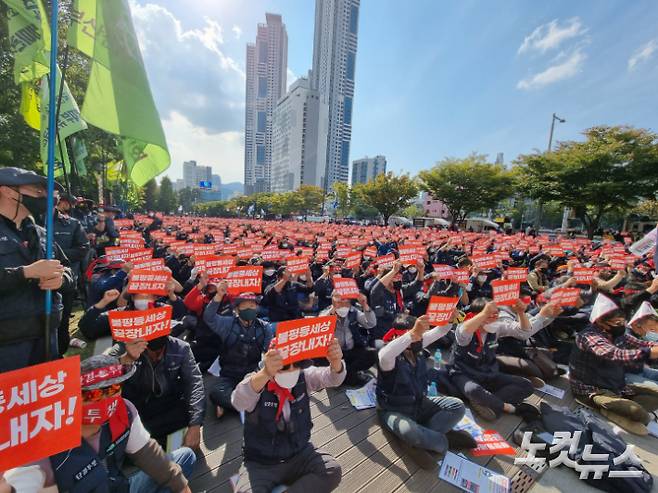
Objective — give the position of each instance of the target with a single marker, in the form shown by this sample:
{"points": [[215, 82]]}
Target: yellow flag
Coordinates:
{"points": [[30, 105]]}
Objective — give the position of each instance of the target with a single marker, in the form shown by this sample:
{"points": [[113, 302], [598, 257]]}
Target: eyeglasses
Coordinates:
{"points": [[96, 395]]}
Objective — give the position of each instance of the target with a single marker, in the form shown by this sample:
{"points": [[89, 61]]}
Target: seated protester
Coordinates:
{"points": [[95, 324], [166, 388], [243, 339], [269, 274], [479, 285], [597, 369], [111, 431], [473, 368], [103, 275], [421, 422], [638, 294], [105, 232], [387, 297], [644, 321], [537, 278], [350, 325], [277, 427], [324, 286], [439, 287], [281, 297]]}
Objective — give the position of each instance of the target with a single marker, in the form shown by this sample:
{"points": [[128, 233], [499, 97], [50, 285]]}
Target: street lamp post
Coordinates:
{"points": [[540, 204]]}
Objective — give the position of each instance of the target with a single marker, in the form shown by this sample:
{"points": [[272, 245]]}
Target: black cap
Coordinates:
{"points": [[15, 177]]}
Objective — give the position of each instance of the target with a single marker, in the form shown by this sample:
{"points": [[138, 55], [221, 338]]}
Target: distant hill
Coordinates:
{"points": [[231, 189]]}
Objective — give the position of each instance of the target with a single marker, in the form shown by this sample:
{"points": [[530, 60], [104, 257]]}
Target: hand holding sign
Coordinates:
{"points": [[421, 326], [335, 356], [305, 338], [273, 362]]}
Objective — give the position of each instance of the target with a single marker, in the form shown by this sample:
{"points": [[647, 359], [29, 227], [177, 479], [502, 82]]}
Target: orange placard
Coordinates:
{"points": [[386, 261], [491, 443], [346, 287], [117, 253], [305, 338], [485, 261], [150, 264], [461, 276], [149, 282], [135, 254], [409, 256], [519, 274], [131, 242], [297, 265], [443, 271], [583, 275], [371, 252], [505, 292], [440, 309], [40, 411], [217, 266], [565, 296], [245, 279], [353, 260], [140, 324], [204, 249]]}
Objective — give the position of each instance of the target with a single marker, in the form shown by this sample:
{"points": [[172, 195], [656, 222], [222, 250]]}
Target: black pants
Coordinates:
{"points": [[63, 335], [164, 416], [220, 395], [494, 390], [358, 359]]}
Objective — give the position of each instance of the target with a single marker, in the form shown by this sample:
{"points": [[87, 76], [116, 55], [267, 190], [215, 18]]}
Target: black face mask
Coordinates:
{"points": [[36, 205], [617, 331], [397, 284]]}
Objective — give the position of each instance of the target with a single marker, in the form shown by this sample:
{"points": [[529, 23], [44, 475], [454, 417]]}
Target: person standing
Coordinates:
{"points": [[25, 274]]}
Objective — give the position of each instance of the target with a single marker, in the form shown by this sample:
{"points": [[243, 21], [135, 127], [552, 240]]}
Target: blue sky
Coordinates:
{"points": [[433, 78]]}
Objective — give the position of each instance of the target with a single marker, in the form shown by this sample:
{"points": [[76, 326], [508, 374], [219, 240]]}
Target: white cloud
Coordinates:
{"points": [[224, 151], [560, 71], [290, 78], [237, 32], [551, 35], [642, 54]]}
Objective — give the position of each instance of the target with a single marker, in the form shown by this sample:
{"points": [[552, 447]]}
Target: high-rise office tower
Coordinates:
{"points": [[332, 75], [367, 169], [267, 63]]}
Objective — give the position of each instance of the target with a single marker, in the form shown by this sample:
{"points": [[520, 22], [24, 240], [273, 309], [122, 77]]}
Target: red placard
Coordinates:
{"points": [[150, 264], [440, 309], [519, 274], [461, 276], [148, 282], [140, 324], [305, 338], [123, 223], [492, 443], [204, 249], [409, 256], [353, 260], [583, 275], [245, 279], [117, 253], [40, 411], [505, 292], [371, 252], [297, 265], [386, 261], [346, 287], [485, 261], [443, 271], [135, 254], [217, 266], [131, 242], [565, 296]]}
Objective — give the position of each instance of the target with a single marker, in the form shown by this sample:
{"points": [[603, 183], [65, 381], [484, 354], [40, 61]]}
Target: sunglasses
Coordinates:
{"points": [[96, 395]]}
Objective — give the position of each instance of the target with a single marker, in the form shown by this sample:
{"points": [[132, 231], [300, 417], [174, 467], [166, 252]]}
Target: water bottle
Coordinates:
{"points": [[432, 391], [438, 359]]}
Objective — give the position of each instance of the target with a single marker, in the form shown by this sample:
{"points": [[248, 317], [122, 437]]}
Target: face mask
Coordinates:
{"points": [[288, 379], [490, 328], [142, 304], [343, 311], [412, 270], [397, 284], [302, 279], [269, 272], [248, 314], [97, 413], [36, 205], [482, 279], [617, 330]]}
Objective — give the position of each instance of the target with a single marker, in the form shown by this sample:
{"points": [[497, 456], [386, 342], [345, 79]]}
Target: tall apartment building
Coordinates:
{"points": [[194, 174], [267, 63], [367, 168], [332, 75], [299, 139]]}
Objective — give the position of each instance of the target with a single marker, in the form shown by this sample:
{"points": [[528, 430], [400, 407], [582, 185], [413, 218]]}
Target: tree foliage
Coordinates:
{"points": [[187, 197], [387, 193], [151, 195], [610, 171], [167, 197], [467, 185]]}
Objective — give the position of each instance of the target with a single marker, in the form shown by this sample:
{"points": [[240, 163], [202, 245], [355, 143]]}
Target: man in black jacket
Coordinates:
{"points": [[25, 275]]}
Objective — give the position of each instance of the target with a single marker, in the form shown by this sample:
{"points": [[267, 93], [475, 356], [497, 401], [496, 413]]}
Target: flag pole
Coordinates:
{"points": [[52, 130], [65, 65]]}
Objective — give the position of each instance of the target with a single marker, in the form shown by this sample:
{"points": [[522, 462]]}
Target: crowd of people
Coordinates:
{"points": [[487, 355]]}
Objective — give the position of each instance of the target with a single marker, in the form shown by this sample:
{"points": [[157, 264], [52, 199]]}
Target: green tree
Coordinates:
{"points": [[414, 210], [134, 197], [467, 185], [387, 193], [187, 197], [310, 199], [342, 195], [151, 195], [608, 173], [167, 198]]}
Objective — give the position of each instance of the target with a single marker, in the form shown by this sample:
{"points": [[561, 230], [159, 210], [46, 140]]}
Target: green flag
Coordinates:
{"points": [[79, 155], [118, 97], [69, 122], [29, 38]]}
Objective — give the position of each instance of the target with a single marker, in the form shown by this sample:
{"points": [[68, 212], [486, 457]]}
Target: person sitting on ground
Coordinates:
{"points": [[537, 278], [281, 297], [111, 431], [597, 369], [277, 428], [421, 422], [244, 338], [643, 323], [473, 368], [351, 323], [166, 388]]}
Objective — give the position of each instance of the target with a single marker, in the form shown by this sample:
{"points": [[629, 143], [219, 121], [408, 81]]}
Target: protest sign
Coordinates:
{"points": [[136, 254], [40, 411], [305, 338], [485, 262], [204, 249], [150, 264], [245, 279], [442, 271], [565, 296], [583, 275], [519, 274], [116, 253], [123, 223], [346, 287], [492, 443], [386, 261], [140, 324], [461, 276], [645, 245], [505, 292], [297, 265], [440, 309], [216, 267], [371, 252], [131, 242], [353, 260], [149, 282], [408, 256]]}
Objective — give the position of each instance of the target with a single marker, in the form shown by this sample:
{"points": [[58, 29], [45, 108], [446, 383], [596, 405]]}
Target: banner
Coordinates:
{"points": [[565, 296], [29, 39], [346, 287], [148, 282], [140, 324], [297, 265], [245, 279], [40, 411], [519, 274], [645, 245], [505, 292], [306, 338], [440, 309]]}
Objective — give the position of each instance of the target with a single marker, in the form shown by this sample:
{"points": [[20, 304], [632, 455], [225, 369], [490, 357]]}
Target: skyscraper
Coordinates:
{"points": [[367, 168], [332, 75], [267, 63]]}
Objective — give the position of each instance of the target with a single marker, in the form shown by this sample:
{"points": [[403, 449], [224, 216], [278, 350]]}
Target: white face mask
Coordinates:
{"points": [[491, 328], [141, 304], [269, 272], [287, 379], [482, 279], [302, 279], [412, 270], [343, 311]]}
